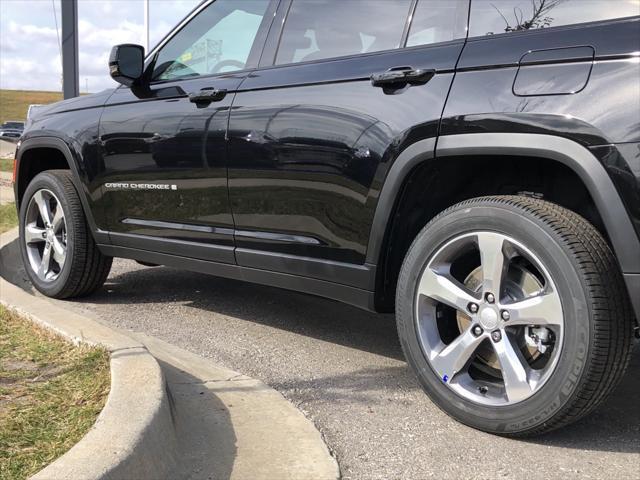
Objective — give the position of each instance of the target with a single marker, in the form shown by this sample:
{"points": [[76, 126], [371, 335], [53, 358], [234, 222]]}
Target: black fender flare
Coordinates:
{"points": [[60, 145], [578, 158]]}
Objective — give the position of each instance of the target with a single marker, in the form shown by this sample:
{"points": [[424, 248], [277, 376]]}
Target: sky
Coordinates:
{"points": [[29, 46]]}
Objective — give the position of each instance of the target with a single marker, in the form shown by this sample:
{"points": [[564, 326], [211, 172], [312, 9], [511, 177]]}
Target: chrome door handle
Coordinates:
{"points": [[402, 76], [207, 95]]}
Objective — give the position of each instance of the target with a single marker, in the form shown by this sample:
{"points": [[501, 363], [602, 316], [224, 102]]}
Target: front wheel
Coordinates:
{"points": [[513, 314], [58, 251]]}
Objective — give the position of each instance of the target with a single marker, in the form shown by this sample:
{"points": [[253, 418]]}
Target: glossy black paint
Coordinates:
{"points": [[291, 178], [310, 145], [610, 39], [604, 110], [622, 162], [71, 128], [165, 139]]}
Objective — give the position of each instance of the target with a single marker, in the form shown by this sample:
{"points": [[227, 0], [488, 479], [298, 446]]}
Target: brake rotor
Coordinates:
{"points": [[519, 284]]}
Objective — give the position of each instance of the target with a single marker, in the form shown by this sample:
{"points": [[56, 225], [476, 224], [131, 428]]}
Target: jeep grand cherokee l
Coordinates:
{"points": [[473, 166]]}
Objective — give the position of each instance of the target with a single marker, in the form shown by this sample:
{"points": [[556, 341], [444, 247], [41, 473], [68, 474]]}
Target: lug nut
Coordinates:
{"points": [[473, 308], [505, 315], [490, 298], [496, 336], [477, 330]]}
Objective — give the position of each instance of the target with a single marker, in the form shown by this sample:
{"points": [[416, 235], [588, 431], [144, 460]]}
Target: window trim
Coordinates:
{"points": [[255, 52], [463, 38], [359, 55], [567, 26], [408, 23]]}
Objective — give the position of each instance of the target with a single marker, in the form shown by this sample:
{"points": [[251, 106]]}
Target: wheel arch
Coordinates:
{"points": [[33, 158], [563, 151]]}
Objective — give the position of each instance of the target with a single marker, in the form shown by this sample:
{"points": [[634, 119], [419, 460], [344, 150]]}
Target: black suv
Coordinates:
{"points": [[473, 166]]}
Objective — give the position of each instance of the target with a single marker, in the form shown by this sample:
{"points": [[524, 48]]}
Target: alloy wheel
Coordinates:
{"points": [[45, 235], [489, 318]]}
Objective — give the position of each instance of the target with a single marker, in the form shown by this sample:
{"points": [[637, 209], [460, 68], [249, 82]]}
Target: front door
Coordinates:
{"points": [[164, 183], [312, 137]]}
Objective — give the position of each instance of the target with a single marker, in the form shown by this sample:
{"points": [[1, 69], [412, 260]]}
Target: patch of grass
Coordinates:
{"points": [[8, 217], [50, 395], [6, 164], [14, 103]]}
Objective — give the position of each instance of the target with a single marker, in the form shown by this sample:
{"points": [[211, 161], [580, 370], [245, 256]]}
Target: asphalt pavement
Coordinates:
{"points": [[343, 368]]}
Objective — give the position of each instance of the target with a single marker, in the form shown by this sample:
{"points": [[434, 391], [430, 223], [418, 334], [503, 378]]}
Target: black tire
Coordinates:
{"points": [[86, 268], [598, 319]]}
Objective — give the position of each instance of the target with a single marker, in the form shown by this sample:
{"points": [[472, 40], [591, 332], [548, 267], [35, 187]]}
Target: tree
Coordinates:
{"points": [[538, 18]]}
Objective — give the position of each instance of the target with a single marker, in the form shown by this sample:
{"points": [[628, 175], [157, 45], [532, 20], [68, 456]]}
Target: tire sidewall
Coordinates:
{"points": [[49, 182], [548, 246]]}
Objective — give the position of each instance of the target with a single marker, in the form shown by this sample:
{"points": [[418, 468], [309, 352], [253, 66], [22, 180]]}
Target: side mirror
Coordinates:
{"points": [[126, 64]]}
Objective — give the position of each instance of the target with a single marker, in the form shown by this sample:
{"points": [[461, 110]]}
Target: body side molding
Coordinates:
{"points": [[359, 276], [343, 293], [339, 273], [198, 250]]}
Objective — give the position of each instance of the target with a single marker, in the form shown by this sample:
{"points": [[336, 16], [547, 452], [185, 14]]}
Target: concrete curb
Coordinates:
{"points": [[134, 436], [185, 416]]}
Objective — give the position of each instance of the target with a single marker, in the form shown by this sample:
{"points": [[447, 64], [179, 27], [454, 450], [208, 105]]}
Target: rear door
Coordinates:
{"points": [[164, 177], [311, 136]]}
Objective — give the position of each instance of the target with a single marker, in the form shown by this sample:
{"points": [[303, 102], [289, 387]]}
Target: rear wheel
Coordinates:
{"points": [[58, 251], [513, 314]]}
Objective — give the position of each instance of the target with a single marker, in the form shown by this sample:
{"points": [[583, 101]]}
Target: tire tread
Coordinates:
{"points": [[608, 302], [89, 267]]}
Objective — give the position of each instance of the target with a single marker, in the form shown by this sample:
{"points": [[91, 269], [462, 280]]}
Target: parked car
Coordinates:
{"points": [[10, 133], [11, 130], [474, 167], [12, 125]]}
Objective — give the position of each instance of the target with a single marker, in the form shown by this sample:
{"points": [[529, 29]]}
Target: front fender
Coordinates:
{"points": [[78, 175]]}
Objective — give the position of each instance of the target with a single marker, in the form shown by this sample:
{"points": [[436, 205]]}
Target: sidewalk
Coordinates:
{"points": [[6, 188], [232, 426]]}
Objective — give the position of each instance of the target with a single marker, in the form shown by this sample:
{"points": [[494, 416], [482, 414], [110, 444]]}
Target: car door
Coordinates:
{"points": [[311, 135], [164, 177]]}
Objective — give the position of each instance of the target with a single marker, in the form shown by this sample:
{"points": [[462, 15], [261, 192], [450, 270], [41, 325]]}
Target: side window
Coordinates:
{"points": [[316, 29], [438, 21], [218, 39], [490, 17]]}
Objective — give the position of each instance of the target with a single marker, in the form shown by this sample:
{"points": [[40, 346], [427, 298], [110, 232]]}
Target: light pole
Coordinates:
{"points": [[146, 26], [70, 73]]}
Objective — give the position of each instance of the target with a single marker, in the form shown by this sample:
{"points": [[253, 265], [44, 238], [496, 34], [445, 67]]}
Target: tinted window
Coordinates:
{"points": [[218, 39], [490, 17], [316, 29], [438, 21]]}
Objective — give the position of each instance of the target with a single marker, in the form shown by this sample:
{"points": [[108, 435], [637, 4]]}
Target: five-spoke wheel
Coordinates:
{"points": [[58, 250], [494, 337], [513, 314], [45, 235]]}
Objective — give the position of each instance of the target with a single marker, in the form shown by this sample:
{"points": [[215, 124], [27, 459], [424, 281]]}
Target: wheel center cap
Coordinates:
{"points": [[488, 318]]}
